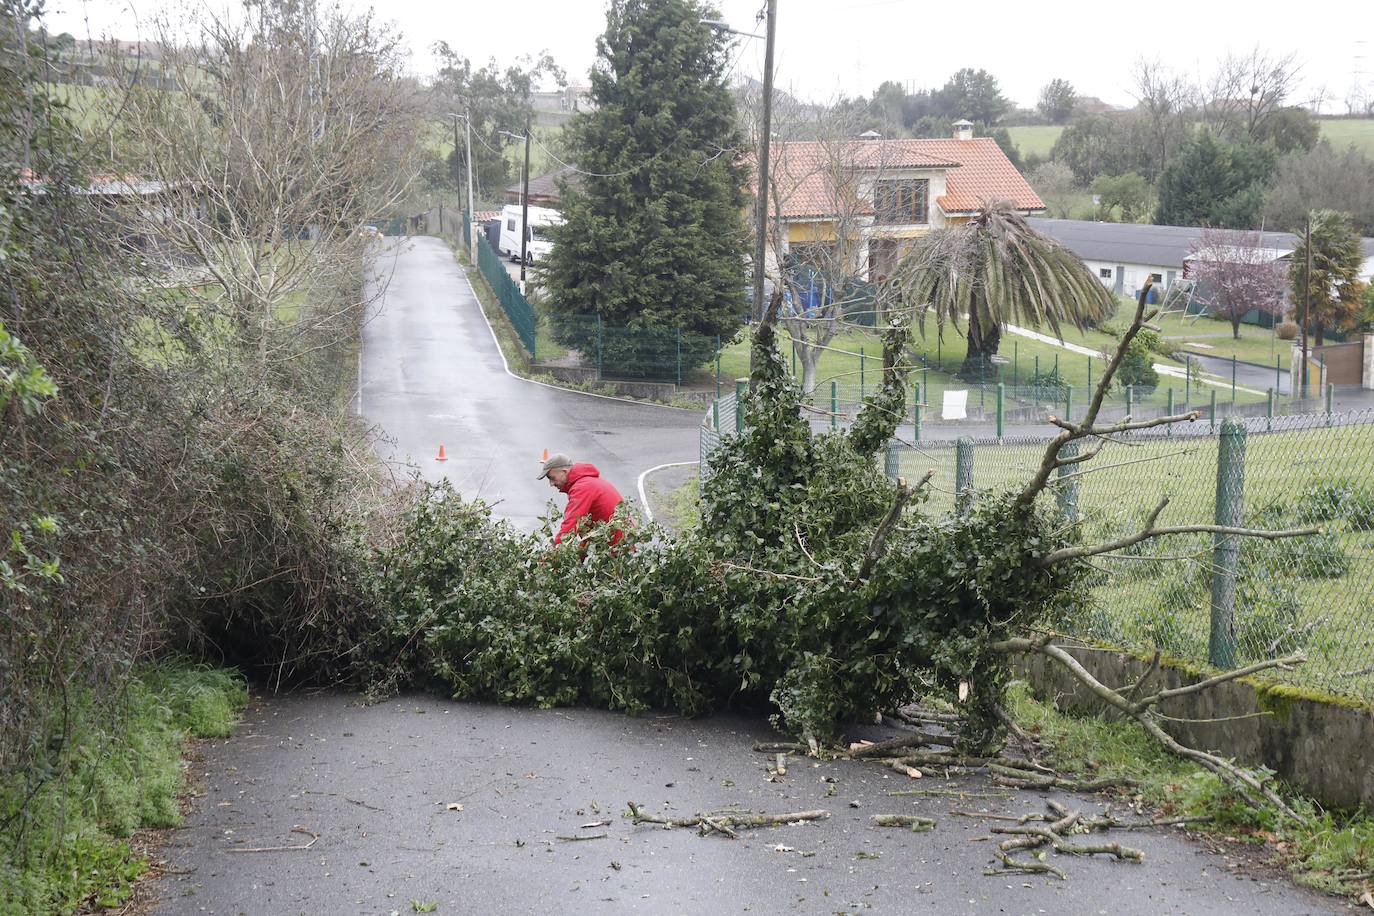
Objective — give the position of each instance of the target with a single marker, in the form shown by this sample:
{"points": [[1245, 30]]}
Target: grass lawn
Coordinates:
{"points": [[1312, 593], [1035, 138], [1256, 345], [1344, 131], [853, 361]]}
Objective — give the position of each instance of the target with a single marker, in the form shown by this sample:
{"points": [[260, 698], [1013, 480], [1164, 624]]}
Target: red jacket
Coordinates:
{"points": [[588, 495]]}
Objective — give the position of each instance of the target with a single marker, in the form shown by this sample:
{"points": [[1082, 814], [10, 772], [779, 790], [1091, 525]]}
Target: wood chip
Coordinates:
{"points": [[453, 806]]}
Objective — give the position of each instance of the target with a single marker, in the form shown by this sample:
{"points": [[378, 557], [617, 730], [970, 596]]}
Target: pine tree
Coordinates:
{"points": [[654, 234], [1214, 183]]}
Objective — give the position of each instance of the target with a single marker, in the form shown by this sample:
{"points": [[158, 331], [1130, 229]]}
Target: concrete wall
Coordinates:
{"points": [[1319, 747], [1344, 362]]}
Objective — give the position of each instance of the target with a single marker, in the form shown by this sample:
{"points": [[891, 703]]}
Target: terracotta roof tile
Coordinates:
{"points": [[976, 171]]}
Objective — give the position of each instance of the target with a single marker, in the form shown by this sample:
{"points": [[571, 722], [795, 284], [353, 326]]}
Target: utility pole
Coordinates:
{"points": [[472, 211], [761, 204], [525, 208], [1306, 302]]}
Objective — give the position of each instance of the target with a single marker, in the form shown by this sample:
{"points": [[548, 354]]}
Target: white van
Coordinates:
{"points": [[539, 242]]}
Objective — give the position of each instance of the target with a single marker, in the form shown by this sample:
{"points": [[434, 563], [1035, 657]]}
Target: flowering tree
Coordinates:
{"points": [[1236, 272]]}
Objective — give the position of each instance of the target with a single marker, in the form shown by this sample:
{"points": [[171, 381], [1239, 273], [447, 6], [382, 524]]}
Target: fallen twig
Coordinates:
{"points": [[723, 823], [583, 836], [917, 823], [297, 829]]}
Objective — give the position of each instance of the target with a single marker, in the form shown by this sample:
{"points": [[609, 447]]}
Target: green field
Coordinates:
{"points": [[1039, 138], [1035, 139], [1344, 131], [1313, 593]]}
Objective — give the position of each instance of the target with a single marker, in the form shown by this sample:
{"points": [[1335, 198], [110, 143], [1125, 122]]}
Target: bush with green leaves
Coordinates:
{"points": [[1137, 369], [786, 597]]}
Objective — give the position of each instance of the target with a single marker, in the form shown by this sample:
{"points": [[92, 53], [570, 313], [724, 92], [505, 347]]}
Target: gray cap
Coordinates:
{"points": [[559, 460]]}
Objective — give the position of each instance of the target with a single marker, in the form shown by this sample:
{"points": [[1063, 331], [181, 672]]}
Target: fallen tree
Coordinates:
{"points": [[813, 587]]}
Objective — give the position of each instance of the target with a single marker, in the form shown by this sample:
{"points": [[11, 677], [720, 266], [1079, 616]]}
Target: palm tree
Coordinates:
{"points": [[996, 270]]}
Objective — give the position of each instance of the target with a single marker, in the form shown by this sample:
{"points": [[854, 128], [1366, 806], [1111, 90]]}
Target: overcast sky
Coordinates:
{"points": [[828, 47]]}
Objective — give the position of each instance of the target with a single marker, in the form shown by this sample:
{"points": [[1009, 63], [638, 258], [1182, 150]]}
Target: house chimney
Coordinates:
{"points": [[963, 130]]}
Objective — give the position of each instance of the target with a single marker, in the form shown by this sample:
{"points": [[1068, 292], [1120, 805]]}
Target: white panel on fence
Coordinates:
{"points": [[955, 405]]}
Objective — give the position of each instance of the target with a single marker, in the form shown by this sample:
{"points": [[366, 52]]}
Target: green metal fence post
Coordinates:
{"points": [[1056, 364], [1212, 415], [741, 386], [679, 356], [1130, 400], [1090, 378], [834, 403], [1233, 378], [715, 414], [891, 460], [916, 412], [1066, 494], [1001, 406], [717, 367], [1269, 411], [862, 390], [1230, 512], [1278, 376], [1330, 391], [794, 359], [599, 350], [1037, 369], [1068, 403], [1169, 430], [963, 475], [1015, 363]]}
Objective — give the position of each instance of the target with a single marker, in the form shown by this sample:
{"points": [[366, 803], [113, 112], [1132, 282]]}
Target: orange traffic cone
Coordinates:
{"points": [[441, 456], [546, 455]]}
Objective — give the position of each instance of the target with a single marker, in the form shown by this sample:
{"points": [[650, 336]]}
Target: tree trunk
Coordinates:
{"points": [[1235, 326], [982, 346], [810, 358]]}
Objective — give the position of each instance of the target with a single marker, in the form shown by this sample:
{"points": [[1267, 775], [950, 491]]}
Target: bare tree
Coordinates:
{"points": [[823, 259], [285, 130], [1054, 182], [1246, 90], [1236, 273], [1168, 101]]}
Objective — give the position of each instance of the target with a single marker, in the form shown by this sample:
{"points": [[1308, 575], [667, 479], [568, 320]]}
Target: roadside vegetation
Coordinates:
{"points": [[179, 473]]}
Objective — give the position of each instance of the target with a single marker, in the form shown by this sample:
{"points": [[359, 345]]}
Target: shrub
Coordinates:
{"points": [[1287, 330], [1137, 369]]}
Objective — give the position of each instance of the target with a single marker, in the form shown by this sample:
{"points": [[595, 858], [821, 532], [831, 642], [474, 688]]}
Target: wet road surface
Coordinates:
{"points": [[376, 784], [430, 374]]}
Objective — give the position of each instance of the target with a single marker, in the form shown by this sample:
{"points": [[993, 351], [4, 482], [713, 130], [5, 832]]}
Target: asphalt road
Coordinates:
{"points": [[376, 784], [430, 373]]}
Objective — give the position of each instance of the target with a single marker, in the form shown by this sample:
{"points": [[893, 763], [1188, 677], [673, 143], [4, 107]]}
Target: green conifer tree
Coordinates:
{"points": [[655, 237]]}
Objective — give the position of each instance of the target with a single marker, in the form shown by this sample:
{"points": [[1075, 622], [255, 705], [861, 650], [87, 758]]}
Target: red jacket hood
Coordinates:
{"points": [[577, 472]]}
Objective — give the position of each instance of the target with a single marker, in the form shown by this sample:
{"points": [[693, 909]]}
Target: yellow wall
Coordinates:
{"points": [[811, 232]]}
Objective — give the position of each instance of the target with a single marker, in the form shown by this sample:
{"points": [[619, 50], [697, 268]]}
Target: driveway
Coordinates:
{"points": [[431, 374]]}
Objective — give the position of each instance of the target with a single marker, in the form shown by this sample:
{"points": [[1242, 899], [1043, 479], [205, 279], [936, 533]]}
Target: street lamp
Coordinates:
{"points": [[761, 202]]}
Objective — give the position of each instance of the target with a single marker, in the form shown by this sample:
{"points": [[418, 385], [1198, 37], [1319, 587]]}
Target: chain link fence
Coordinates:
{"points": [[1209, 599]]}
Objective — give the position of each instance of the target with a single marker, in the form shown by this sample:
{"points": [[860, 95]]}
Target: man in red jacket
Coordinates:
{"points": [[591, 498]]}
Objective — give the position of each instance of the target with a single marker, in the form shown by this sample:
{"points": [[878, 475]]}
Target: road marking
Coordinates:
{"points": [[639, 484], [505, 365]]}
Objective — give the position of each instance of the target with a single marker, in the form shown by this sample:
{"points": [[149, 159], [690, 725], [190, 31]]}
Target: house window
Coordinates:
{"points": [[904, 201], [1105, 273], [1157, 278]]}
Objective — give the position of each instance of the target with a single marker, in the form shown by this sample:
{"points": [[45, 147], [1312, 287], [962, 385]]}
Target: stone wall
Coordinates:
{"points": [[1321, 748]]}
